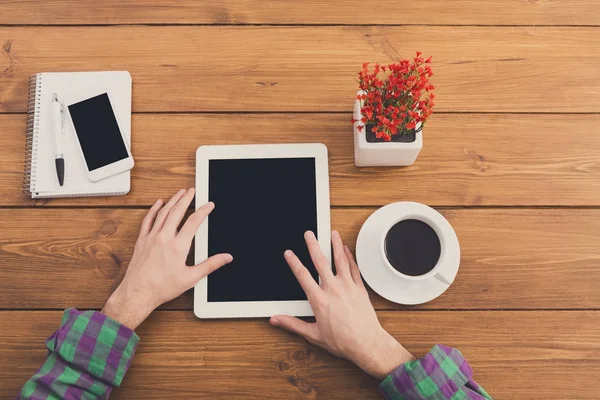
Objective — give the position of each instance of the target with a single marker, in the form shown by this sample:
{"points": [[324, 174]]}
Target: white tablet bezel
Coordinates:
{"points": [[111, 169], [300, 308]]}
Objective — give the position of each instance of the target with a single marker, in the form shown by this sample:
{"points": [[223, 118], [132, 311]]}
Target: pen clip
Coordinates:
{"points": [[62, 111], [62, 118]]}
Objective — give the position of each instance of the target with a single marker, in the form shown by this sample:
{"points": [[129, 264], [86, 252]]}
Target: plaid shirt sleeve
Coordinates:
{"points": [[89, 355], [442, 374]]}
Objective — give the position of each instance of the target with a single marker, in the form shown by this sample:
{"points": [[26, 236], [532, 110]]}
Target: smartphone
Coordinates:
{"points": [[99, 134]]}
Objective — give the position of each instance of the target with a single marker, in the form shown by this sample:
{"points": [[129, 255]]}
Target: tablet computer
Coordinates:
{"points": [[266, 197]]}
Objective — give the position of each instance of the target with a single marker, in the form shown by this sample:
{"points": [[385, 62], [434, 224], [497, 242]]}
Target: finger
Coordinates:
{"points": [[164, 212], [317, 256], [303, 276], [178, 211], [309, 331], [342, 267], [354, 270], [148, 220], [208, 266], [191, 226]]}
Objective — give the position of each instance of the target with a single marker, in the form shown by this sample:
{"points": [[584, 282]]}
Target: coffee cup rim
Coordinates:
{"points": [[387, 261], [437, 222]]}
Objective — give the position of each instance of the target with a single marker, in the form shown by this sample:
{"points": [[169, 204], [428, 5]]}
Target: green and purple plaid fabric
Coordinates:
{"points": [[442, 374], [89, 355]]}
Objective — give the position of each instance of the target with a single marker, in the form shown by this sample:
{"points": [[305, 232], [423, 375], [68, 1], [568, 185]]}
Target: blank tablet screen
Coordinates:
{"points": [[262, 208]]}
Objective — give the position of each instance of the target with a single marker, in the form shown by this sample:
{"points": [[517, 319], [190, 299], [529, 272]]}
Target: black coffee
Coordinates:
{"points": [[412, 247]]}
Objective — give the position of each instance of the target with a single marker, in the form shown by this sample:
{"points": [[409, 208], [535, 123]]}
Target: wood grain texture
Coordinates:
{"points": [[511, 258], [503, 67], [446, 12], [515, 355], [266, 68], [466, 159]]}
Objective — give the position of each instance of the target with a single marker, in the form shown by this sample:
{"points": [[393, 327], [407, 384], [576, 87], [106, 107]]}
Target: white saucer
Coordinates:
{"points": [[389, 283]]}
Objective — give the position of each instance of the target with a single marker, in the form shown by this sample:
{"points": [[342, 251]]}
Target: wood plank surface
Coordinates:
{"points": [[511, 258], [466, 159], [515, 355], [446, 12], [267, 68], [511, 158]]}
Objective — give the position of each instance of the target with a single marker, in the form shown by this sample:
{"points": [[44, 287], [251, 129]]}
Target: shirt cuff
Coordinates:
{"points": [[442, 373], [95, 343]]}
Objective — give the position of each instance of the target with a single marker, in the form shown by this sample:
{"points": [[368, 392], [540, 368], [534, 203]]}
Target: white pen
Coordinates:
{"points": [[57, 131]]}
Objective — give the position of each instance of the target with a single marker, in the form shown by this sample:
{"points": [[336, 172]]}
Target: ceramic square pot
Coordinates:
{"points": [[382, 153]]}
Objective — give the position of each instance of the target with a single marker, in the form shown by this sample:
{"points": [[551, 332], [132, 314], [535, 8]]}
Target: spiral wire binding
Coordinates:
{"points": [[31, 133]]}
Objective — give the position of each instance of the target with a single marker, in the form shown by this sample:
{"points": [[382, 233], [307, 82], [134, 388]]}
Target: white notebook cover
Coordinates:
{"points": [[43, 182]]}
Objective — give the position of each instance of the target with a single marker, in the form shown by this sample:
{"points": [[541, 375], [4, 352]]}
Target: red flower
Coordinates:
{"points": [[397, 96]]}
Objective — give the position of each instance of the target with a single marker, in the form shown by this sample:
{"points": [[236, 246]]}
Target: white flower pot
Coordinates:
{"points": [[382, 153]]}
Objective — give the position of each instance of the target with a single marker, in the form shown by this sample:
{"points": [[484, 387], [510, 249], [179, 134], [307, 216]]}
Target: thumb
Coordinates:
{"points": [[211, 264], [306, 330]]}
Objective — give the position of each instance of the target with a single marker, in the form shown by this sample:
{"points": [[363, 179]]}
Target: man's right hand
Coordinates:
{"points": [[346, 323]]}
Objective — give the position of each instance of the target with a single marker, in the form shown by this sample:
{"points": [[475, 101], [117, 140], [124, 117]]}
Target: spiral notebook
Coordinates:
{"points": [[39, 179]]}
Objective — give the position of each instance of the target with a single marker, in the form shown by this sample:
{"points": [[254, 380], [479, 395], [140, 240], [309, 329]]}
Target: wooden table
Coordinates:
{"points": [[511, 158]]}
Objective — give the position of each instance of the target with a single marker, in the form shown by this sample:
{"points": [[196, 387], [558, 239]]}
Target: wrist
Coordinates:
{"points": [[126, 309], [385, 356]]}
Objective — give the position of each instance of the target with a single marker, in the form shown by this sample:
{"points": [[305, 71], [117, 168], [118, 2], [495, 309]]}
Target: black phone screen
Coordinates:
{"points": [[97, 131]]}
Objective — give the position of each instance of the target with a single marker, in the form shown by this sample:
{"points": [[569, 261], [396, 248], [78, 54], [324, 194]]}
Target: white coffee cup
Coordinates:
{"points": [[449, 248]]}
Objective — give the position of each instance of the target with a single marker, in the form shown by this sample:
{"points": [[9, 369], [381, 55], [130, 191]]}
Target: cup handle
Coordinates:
{"points": [[442, 279]]}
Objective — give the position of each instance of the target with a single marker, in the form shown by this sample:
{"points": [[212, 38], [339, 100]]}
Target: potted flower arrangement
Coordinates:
{"points": [[390, 110]]}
